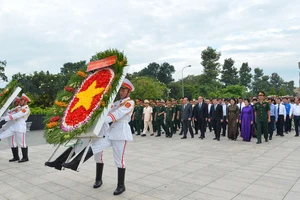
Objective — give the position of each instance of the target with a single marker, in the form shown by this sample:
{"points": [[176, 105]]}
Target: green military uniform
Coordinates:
{"points": [[178, 121], [153, 119], [170, 121], [261, 110], [160, 119], [138, 110]]}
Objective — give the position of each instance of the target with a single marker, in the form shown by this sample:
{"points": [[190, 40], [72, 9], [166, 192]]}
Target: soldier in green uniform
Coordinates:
{"points": [[153, 105], [137, 116], [262, 116], [170, 117], [160, 117]]}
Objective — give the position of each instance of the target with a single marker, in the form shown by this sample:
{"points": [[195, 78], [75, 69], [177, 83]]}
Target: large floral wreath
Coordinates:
{"points": [[83, 99]]}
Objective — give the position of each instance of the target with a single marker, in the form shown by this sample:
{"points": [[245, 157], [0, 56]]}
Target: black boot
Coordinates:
{"points": [[121, 178], [15, 153], [75, 162], [57, 163], [25, 155], [99, 171]]}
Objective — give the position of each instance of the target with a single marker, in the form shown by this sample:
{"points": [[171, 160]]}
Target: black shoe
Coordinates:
{"points": [[15, 153], [223, 135], [258, 142], [143, 135], [25, 155], [183, 138], [157, 136], [277, 134], [266, 140], [282, 135], [57, 163], [192, 137], [270, 138], [75, 162], [214, 138], [138, 134], [121, 179], [296, 135], [99, 171], [218, 139], [152, 134]]}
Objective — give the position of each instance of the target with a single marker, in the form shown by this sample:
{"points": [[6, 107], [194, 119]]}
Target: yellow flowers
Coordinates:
{"points": [[82, 74], [52, 124], [61, 104], [103, 104]]}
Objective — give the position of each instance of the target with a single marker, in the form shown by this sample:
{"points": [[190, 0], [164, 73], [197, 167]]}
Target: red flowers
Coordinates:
{"points": [[82, 107], [69, 89], [54, 119]]}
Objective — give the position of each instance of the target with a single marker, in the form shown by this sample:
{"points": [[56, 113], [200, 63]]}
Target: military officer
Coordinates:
{"points": [[116, 136], [262, 116], [19, 126], [11, 139], [137, 116], [170, 117], [160, 117]]}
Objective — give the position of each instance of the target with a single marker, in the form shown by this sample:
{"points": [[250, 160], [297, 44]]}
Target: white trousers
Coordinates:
{"points": [[146, 125], [118, 146], [14, 138]]}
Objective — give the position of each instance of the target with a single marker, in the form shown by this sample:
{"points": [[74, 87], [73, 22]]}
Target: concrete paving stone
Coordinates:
{"points": [[274, 182], [230, 186], [15, 195], [292, 196], [50, 197], [203, 196], [217, 192], [246, 197], [158, 193], [51, 187], [265, 192], [70, 194], [5, 188], [107, 196], [296, 187], [149, 183], [33, 191], [138, 188]]}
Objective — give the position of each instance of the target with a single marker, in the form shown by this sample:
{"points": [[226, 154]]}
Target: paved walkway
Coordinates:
{"points": [[163, 168]]}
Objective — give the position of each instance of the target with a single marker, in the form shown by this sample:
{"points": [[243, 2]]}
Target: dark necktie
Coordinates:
{"points": [[278, 109]]}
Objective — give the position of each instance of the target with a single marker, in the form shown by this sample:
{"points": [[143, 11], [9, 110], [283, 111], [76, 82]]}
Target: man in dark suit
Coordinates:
{"points": [[200, 115], [216, 118], [186, 117]]}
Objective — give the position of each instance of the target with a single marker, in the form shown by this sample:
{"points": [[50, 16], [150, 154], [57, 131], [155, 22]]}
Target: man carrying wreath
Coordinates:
{"points": [[116, 136]]}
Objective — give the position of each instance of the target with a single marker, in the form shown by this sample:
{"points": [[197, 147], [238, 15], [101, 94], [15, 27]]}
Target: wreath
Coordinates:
{"points": [[83, 99]]}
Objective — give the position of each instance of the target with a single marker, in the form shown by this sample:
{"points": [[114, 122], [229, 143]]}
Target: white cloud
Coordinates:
{"points": [[43, 35]]}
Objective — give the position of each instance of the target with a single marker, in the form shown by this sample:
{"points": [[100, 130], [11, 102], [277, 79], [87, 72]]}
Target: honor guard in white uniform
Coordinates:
{"points": [[10, 133], [116, 136], [18, 128]]}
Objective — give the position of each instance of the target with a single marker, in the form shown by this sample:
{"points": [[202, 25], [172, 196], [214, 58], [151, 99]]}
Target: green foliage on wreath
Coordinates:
{"points": [[7, 92], [54, 135]]}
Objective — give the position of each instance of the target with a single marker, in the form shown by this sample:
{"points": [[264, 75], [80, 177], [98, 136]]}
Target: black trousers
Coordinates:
{"points": [[288, 124], [185, 126], [279, 124], [296, 123], [224, 125], [216, 124], [201, 124], [271, 126]]}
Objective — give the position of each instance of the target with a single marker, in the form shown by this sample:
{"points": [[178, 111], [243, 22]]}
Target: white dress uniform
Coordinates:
{"points": [[18, 128], [11, 139], [118, 134]]}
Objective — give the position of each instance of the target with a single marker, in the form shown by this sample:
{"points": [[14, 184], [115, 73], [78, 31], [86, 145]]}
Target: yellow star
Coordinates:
{"points": [[86, 97]]}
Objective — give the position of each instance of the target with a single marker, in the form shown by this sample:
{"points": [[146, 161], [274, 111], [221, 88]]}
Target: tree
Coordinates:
{"points": [[146, 88], [260, 81], [276, 81], [245, 76], [165, 73], [229, 74], [289, 88], [151, 70], [210, 64], [232, 91], [3, 77], [69, 69]]}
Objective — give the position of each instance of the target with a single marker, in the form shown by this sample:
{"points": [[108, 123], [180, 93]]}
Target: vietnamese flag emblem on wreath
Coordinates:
{"points": [[85, 96]]}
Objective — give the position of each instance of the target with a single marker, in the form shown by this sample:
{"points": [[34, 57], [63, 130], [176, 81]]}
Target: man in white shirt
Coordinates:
{"points": [[280, 108], [147, 117], [295, 113]]}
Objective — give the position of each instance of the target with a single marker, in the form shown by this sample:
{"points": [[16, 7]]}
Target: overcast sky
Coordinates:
{"points": [[40, 35]]}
